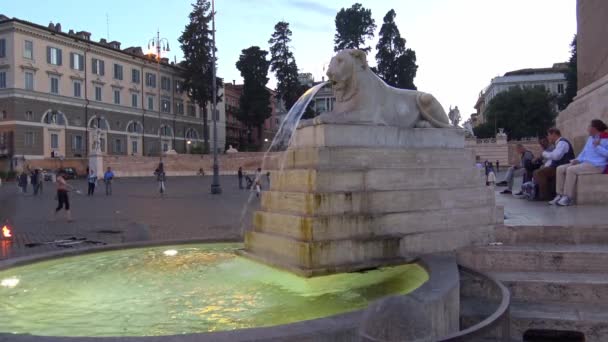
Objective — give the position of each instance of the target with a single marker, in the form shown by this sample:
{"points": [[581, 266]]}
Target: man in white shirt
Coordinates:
{"points": [[562, 154]]}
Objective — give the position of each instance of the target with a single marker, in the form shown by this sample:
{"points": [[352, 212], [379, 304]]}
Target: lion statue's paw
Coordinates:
{"points": [[423, 124]]}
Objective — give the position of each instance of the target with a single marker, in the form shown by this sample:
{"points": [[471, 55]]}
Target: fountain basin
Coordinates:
{"points": [[180, 289]]}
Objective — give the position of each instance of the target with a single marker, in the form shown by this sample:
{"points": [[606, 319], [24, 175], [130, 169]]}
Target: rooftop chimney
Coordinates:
{"points": [[103, 41], [233, 82], [51, 26], [115, 44], [58, 27], [84, 35], [71, 32]]}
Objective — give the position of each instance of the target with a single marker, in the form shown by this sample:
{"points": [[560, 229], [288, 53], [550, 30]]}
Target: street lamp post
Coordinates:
{"points": [[159, 43], [215, 185]]}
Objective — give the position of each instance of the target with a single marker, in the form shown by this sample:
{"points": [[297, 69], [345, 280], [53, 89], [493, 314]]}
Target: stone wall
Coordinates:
{"points": [[592, 56], [590, 102], [506, 153], [175, 165]]}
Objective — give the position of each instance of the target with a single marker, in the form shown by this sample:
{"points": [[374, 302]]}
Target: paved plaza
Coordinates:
{"points": [[135, 212]]}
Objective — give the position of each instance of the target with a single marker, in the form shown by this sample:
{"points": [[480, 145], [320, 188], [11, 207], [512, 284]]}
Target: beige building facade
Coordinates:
{"points": [[57, 89]]}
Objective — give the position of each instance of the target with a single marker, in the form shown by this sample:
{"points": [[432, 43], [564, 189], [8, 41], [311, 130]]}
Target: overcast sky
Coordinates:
{"points": [[460, 44]]}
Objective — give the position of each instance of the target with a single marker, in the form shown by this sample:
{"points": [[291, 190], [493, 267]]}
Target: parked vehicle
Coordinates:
{"points": [[69, 172], [47, 175]]}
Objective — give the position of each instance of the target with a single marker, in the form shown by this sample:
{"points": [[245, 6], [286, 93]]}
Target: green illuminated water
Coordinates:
{"points": [[143, 292]]}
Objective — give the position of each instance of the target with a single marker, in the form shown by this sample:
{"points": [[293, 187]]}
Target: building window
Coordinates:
{"points": [[560, 88], [118, 146], [76, 61], [97, 93], [2, 48], [54, 85], [191, 110], [77, 143], [116, 96], [135, 76], [29, 81], [77, 89], [54, 140], [102, 142], [29, 116], [118, 72], [53, 55], [179, 87], [150, 80], [150, 102], [165, 83], [134, 127], [2, 79], [134, 100], [179, 106], [134, 146], [29, 139], [98, 67], [166, 131], [3, 115], [165, 105], [28, 49]]}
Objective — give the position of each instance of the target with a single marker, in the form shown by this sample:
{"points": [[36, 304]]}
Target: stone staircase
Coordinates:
{"points": [[558, 278]]}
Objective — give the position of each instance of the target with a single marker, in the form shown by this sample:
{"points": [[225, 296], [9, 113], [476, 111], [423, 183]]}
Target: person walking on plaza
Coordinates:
{"points": [[161, 178], [23, 182], [92, 180], [561, 154], [593, 159], [108, 178], [240, 175], [63, 200], [34, 179], [40, 181], [517, 170]]}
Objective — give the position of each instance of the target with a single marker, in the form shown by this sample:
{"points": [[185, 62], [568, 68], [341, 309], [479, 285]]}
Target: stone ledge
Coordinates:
{"points": [[328, 135], [592, 189], [310, 180]]}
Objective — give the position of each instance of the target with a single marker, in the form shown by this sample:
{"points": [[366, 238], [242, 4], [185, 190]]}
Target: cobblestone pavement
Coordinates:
{"points": [[135, 212]]}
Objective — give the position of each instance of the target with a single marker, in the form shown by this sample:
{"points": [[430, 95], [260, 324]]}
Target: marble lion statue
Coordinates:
{"points": [[363, 98]]}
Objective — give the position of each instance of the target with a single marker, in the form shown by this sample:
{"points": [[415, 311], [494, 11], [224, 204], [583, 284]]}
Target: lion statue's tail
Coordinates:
{"points": [[432, 111]]}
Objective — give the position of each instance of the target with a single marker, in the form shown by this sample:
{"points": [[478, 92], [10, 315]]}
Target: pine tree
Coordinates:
{"points": [[396, 64], [353, 26], [283, 64], [255, 99], [197, 44]]}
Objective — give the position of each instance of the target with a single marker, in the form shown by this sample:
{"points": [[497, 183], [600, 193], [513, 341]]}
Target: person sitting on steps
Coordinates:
{"points": [[517, 170], [592, 160], [562, 154]]}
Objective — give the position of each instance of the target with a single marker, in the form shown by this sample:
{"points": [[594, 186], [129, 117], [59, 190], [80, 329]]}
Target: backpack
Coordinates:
{"points": [[530, 190]]}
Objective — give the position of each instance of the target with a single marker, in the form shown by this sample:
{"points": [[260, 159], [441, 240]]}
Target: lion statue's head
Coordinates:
{"points": [[342, 73]]}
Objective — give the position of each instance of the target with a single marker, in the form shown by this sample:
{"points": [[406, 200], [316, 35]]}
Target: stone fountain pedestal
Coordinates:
{"points": [[353, 197]]}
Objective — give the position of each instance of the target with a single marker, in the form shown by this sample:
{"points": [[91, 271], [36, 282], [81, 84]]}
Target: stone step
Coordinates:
{"points": [[311, 180], [536, 258], [591, 320], [562, 287], [321, 257], [512, 235], [363, 158], [375, 202], [331, 227]]}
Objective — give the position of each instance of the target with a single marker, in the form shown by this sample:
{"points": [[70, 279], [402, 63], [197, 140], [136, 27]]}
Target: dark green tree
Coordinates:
{"points": [[571, 78], [522, 112], [283, 64], [197, 44], [396, 64], [255, 99], [353, 26]]}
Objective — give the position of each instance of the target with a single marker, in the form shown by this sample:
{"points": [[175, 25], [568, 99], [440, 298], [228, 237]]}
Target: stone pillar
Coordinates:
{"points": [[352, 197], [592, 64]]}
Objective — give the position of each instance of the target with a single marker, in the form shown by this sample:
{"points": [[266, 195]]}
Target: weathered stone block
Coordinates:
{"points": [[592, 189]]}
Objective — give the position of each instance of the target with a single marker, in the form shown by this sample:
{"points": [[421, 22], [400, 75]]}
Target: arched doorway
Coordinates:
{"points": [[135, 130], [192, 139], [55, 124], [98, 122], [166, 138]]}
